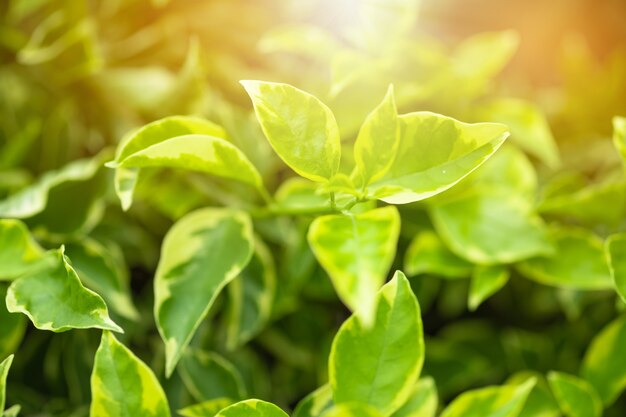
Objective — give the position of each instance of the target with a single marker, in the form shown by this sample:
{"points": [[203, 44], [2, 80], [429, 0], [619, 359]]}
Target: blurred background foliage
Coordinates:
{"points": [[77, 76]]}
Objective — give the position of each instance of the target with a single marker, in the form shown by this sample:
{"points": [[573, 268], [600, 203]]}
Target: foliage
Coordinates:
{"points": [[382, 230]]}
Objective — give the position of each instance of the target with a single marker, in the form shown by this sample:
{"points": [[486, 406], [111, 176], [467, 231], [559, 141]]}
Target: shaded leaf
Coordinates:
{"points": [[615, 248], [486, 281], [12, 327], [422, 402], [4, 372], [18, 250], [201, 253], [314, 404], [208, 376], [427, 254]]}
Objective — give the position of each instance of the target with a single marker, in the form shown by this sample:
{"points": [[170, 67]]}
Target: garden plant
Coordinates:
{"points": [[220, 209]]}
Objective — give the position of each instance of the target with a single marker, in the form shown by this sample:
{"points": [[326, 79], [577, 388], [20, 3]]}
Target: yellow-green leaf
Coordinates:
{"points": [[314, 404], [4, 372], [206, 409], [377, 144], [352, 410], [486, 281], [252, 408], [427, 254], [122, 385], [575, 396], [435, 153], [201, 253], [53, 298], [18, 250], [301, 129], [394, 342], [615, 248], [357, 251], [422, 402]]}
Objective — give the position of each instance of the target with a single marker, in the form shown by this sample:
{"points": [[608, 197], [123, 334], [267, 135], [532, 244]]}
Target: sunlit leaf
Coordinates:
{"points": [[352, 410], [499, 401], [575, 396], [435, 152], [619, 135], [122, 385], [394, 341], [201, 253], [18, 250], [357, 252], [314, 404], [252, 408], [300, 128], [604, 364], [377, 144], [53, 298], [205, 409], [4, 372], [540, 402], [427, 254]]}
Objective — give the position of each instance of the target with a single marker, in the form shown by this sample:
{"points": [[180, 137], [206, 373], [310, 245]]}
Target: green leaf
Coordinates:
{"points": [[615, 249], [300, 128], [422, 402], [356, 251], [12, 412], [251, 296], [252, 408], [491, 228], [435, 153], [352, 410], [18, 250], [208, 376], [619, 136], [4, 372], [499, 401], [604, 364], [201, 253], [153, 134], [427, 254], [53, 298], [486, 281], [12, 327], [394, 342], [529, 127], [314, 404], [377, 144], [575, 396], [122, 385], [206, 409], [101, 271], [578, 262], [540, 402]]}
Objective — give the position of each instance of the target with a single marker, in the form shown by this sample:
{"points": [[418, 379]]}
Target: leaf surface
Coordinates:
{"points": [[575, 396]]}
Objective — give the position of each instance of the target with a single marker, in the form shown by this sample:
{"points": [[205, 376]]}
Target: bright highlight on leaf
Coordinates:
{"points": [[575, 396], [201, 253], [394, 341], [252, 408], [301, 129], [53, 298], [122, 385], [357, 251]]}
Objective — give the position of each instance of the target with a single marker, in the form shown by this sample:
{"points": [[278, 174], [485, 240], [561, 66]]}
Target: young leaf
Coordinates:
{"points": [[352, 410], [615, 249], [604, 364], [122, 385], [300, 128], [540, 402], [201, 253], [435, 152], [578, 262], [422, 402], [376, 145], [575, 396], [206, 409], [394, 341], [251, 296], [427, 254], [486, 281], [208, 376], [314, 404], [99, 269], [4, 372], [356, 251], [18, 250], [252, 408], [53, 298], [502, 401]]}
